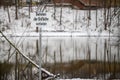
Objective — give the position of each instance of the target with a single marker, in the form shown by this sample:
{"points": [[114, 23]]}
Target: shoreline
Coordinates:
{"points": [[59, 34]]}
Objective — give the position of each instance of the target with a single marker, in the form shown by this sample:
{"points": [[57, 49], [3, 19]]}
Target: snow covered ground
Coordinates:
{"points": [[74, 23]]}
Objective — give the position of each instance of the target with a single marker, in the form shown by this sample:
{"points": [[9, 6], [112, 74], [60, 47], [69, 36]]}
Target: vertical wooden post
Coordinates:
{"points": [[40, 51]]}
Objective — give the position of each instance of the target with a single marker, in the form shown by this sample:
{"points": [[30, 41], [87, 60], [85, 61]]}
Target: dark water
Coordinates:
{"points": [[72, 57]]}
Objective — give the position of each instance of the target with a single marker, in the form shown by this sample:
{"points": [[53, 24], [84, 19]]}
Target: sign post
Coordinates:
{"points": [[40, 52], [41, 20]]}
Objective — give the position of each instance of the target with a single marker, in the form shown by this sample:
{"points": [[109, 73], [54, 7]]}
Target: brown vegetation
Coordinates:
{"points": [[5, 69], [84, 68]]}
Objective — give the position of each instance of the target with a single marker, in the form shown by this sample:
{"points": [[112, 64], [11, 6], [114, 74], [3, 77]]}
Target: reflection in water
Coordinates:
{"points": [[84, 57]]}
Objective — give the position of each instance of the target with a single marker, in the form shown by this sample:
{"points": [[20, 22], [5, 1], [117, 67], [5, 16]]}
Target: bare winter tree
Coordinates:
{"points": [[61, 12], [30, 7], [89, 15], [21, 3], [97, 14], [54, 9], [76, 19], [105, 13], [16, 9], [7, 4]]}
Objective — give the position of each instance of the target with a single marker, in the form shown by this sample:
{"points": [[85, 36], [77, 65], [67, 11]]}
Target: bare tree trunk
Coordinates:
{"points": [[105, 12], [96, 16], [110, 16], [29, 8], [18, 3], [8, 14], [21, 3], [89, 15], [115, 6], [16, 7], [61, 12], [54, 9], [76, 17], [118, 20], [31, 5]]}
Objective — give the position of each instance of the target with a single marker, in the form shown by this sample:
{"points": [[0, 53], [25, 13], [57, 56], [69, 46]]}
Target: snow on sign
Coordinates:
{"points": [[41, 18]]}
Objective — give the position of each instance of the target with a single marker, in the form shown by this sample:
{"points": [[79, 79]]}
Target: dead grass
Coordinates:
{"points": [[84, 68]]}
